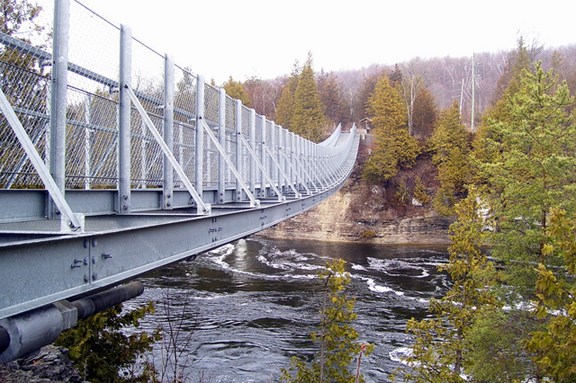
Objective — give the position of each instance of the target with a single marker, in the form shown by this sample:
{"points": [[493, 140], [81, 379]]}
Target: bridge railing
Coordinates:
{"points": [[104, 111]]}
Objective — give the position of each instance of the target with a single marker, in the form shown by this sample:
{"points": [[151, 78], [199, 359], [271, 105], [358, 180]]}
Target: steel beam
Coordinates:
{"points": [[39, 271]]}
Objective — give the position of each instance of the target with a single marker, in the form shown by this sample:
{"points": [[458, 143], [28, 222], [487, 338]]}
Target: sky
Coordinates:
{"points": [[264, 38]]}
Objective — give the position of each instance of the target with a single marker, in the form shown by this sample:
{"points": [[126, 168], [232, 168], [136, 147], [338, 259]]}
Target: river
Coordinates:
{"points": [[246, 308]]}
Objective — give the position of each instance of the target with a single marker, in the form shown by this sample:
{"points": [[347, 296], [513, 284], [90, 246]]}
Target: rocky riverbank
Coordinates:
{"points": [[48, 365]]}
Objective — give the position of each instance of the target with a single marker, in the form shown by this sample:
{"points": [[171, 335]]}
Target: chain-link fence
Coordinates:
{"points": [[260, 150]]}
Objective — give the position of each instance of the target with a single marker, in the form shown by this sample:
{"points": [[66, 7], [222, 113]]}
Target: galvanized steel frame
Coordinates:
{"points": [[125, 230]]}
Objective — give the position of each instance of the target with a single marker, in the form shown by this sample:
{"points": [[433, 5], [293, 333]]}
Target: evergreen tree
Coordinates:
{"points": [[530, 174], [396, 76], [534, 172], [424, 114], [394, 147], [100, 347], [361, 97], [308, 114], [285, 107], [440, 353], [236, 90], [449, 144], [508, 85], [385, 106], [552, 346], [336, 337]]}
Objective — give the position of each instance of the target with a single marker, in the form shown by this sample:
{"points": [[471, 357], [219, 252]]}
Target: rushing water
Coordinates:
{"points": [[248, 307]]}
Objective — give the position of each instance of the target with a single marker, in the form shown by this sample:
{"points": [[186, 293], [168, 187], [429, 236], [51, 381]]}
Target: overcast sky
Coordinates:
{"points": [[263, 38]]}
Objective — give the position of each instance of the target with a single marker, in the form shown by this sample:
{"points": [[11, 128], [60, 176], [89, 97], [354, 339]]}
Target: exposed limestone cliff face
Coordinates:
{"points": [[383, 213], [334, 220]]}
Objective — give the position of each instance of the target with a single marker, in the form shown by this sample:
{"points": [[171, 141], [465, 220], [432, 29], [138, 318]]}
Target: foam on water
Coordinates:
{"points": [[397, 267]]}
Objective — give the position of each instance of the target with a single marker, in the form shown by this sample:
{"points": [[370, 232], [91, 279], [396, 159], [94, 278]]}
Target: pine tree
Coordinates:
{"points": [[552, 346], [236, 90], [439, 353], [385, 106], [394, 147], [337, 338], [530, 174], [308, 114], [101, 349], [285, 107], [424, 114], [534, 172], [449, 144], [507, 86]]}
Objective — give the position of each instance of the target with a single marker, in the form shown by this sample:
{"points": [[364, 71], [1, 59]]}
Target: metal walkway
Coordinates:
{"points": [[102, 180]]}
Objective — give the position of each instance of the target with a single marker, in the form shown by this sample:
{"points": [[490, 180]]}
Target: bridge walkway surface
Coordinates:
{"points": [[102, 180]]}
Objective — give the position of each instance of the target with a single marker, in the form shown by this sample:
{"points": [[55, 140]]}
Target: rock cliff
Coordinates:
{"points": [[362, 212], [333, 221]]}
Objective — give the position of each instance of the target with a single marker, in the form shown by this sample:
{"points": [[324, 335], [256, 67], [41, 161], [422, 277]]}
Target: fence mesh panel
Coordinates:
{"points": [[92, 113], [25, 80]]}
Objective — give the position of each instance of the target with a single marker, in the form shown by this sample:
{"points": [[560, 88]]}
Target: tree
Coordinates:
{"points": [[263, 95], [529, 175], [308, 113], [449, 143], [236, 90], [332, 98], [336, 337], [411, 82], [394, 147], [18, 18], [362, 95], [101, 348], [424, 114], [440, 353], [534, 172], [385, 106], [517, 61], [552, 346], [285, 107]]}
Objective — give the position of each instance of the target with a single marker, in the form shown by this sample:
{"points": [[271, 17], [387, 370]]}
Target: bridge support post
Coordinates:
{"points": [[281, 160], [253, 176], [263, 193], [222, 140], [239, 151], [299, 167], [290, 156], [278, 152], [199, 148], [168, 169], [58, 101], [124, 180]]}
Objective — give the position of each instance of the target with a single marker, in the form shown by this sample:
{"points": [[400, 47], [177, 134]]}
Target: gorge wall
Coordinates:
{"points": [[331, 221], [361, 212]]}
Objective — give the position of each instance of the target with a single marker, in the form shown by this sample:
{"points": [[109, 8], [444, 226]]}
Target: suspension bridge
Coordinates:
{"points": [[103, 178]]}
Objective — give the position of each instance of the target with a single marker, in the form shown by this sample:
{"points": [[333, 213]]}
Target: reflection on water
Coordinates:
{"points": [[249, 306]]}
